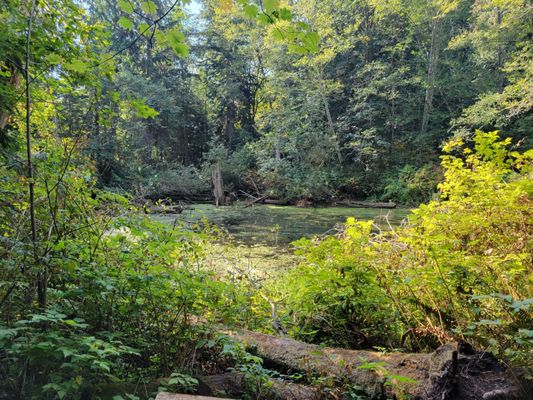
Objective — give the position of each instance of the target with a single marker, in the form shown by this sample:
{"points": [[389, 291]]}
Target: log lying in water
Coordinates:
{"points": [[439, 375], [365, 204], [274, 202], [172, 209]]}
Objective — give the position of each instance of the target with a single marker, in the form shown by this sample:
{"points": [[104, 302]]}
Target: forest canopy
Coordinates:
{"points": [[316, 99]]}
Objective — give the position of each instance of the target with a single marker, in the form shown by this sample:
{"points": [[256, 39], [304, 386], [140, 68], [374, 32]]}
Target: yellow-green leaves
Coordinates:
{"points": [[298, 35], [125, 23], [144, 28], [270, 5], [54, 58], [142, 110], [78, 66], [250, 10], [125, 6], [148, 7], [175, 39]]}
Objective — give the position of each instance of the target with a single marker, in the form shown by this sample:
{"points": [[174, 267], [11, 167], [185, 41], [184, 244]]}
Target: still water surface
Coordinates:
{"points": [[280, 225]]}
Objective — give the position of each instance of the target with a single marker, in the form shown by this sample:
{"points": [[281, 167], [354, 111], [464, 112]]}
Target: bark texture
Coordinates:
{"points": [[438, 375]]}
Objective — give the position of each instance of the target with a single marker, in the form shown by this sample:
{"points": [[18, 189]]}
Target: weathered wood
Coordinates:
{"points": [[257, 200], [218, 185], [472, 377], [228, 384], [174, 209], [275, 202], [176, 396], [366, 204], [233, 384]]}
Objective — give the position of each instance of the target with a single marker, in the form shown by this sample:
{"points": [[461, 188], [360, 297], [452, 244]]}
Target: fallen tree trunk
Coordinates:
{"points": [[252, 202], [275, 202], [234, 384], [445, 374], [174, 209], [366, 204]]}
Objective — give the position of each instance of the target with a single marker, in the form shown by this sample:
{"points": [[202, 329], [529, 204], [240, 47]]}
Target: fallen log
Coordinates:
{"points": [[234, 384], [431, 376], [173, 209], [366, 204], [176, 396], [257, 200], [274, 202]]}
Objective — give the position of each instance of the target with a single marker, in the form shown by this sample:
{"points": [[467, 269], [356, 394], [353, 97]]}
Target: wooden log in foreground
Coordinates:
{"points": [[445, 374], [233, 384], [176, 396]]}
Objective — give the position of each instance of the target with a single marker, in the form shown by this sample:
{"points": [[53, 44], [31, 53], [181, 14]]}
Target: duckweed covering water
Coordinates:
{"points": [[279, 226]]}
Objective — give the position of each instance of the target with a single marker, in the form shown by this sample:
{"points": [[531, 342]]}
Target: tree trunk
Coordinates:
{"points": [[330, 120], [234, 384], [218, 185], [431, 75], [501, 75], [42, 275]]}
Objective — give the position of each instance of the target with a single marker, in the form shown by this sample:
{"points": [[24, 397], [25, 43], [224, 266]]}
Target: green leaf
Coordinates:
{"points": [[125, 6], [285, 14], [142, 110], [270, 5], [53, 58], [311, 41], [77, 66], [251, 10], [144, 28], [66, 352], [181, 49], [264, 19], [522, 304], [489, 322], [125, 23], [6, 333], [175, 39], [149, 7]]}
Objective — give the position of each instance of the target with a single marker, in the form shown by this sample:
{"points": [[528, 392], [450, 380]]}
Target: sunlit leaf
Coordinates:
{"points": [[125, 6], [149, 7], [270, 5], [125, 23]]}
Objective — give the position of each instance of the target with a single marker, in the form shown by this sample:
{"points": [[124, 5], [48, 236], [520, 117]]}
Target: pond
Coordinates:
{"points": [[280, 225]]}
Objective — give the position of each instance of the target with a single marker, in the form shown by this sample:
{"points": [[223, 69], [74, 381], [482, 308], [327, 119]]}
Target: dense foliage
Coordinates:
{"points": [[106, 103], [370, 106], [461, 267]]}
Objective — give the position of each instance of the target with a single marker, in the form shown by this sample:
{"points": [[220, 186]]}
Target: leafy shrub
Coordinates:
{"points": [[334, 295], [412, 186], [183, 180], [113, 280], [460, 269], [61, 351]]}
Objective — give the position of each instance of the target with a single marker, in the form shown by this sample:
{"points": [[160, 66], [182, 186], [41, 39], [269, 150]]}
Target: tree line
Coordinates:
{"points": [[359, 110]]}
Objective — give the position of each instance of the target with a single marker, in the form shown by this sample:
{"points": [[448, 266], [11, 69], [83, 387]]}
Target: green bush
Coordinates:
{"points": [[120, 289], [461, 268], [412, 185]]}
